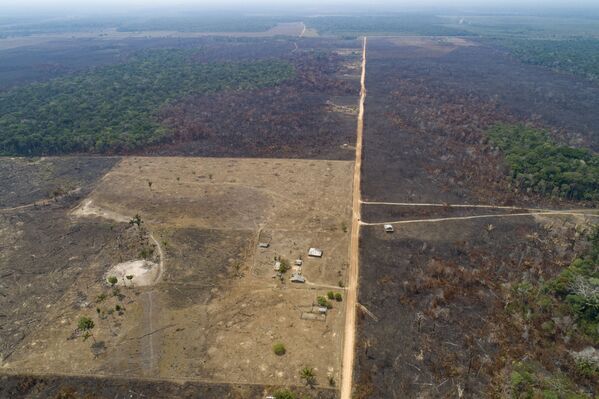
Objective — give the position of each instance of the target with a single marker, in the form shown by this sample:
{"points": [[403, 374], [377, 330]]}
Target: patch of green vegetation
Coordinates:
{"points": [[194, 22], [528, 380], [578, 287], [203, 23], [526, 26], [576, 56], [285, 265], [308, 375], [279, 349], [85, 323], [113, 108], [573, 293], [284, 394], [112, 280], [404, 24], [587, 368], [563, 308], [322, 301], [537, 163]]}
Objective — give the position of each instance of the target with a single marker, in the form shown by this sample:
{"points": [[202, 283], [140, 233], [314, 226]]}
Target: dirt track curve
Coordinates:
{"points": [[352, 287]]}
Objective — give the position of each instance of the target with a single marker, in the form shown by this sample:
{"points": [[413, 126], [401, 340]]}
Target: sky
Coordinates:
{"points": [[106, 6]]}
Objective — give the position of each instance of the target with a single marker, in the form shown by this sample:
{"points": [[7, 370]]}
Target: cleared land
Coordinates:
{"points": [[443, 303], [218, 308]]}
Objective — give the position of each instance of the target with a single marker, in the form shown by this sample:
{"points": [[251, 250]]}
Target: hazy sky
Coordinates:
{"points": [[265, 5]]}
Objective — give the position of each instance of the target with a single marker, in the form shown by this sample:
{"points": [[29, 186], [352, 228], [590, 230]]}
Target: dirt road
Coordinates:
{"points": [[507, 215], [352, 287]]}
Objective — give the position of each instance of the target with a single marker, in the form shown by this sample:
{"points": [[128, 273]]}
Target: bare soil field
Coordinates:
{"points": [[217, 306]]}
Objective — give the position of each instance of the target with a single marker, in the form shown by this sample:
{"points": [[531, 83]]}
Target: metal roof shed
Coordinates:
{"points": [[315, 252], [297, 278]]}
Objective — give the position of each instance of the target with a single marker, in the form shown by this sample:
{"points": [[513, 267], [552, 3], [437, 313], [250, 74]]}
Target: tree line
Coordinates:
{"points": [[113, 108], [536, 162]]}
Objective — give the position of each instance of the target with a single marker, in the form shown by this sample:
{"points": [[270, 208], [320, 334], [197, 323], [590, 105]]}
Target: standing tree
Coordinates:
{"points": [[85, 325], [112, 280]]}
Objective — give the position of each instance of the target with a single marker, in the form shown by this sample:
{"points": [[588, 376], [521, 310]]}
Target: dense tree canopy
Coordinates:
{"points": [[113, 108], [576, 56], [406, 24], [546, 167]]}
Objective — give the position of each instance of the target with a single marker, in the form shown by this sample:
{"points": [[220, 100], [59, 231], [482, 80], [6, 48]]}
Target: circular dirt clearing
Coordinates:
{"points": [[143, 272]]}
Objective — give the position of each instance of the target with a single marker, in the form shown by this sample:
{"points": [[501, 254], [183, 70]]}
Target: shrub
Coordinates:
{"points": [[331, 295], [331, 380], [85, 323], [284, 265], [112, 280], [307, 374], [279, 349], [322, 301], [587, 368], [284, 394], [136, 220], [338, 297]]}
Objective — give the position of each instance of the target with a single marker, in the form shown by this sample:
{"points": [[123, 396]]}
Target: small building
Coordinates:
{"points": [[299, 262], [277, 266], [315, 252], [389, 228], [322, 309], [263, 245], [297, 278]]}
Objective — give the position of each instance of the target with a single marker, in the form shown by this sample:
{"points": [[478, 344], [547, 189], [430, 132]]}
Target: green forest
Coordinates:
{"points": [[404, 24], [192, 22], [112, 109], [547, 168], [216, 23], [576, 56]]}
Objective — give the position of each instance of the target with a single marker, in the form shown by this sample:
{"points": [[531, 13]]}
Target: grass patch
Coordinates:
{"points": [[279, 349]]}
